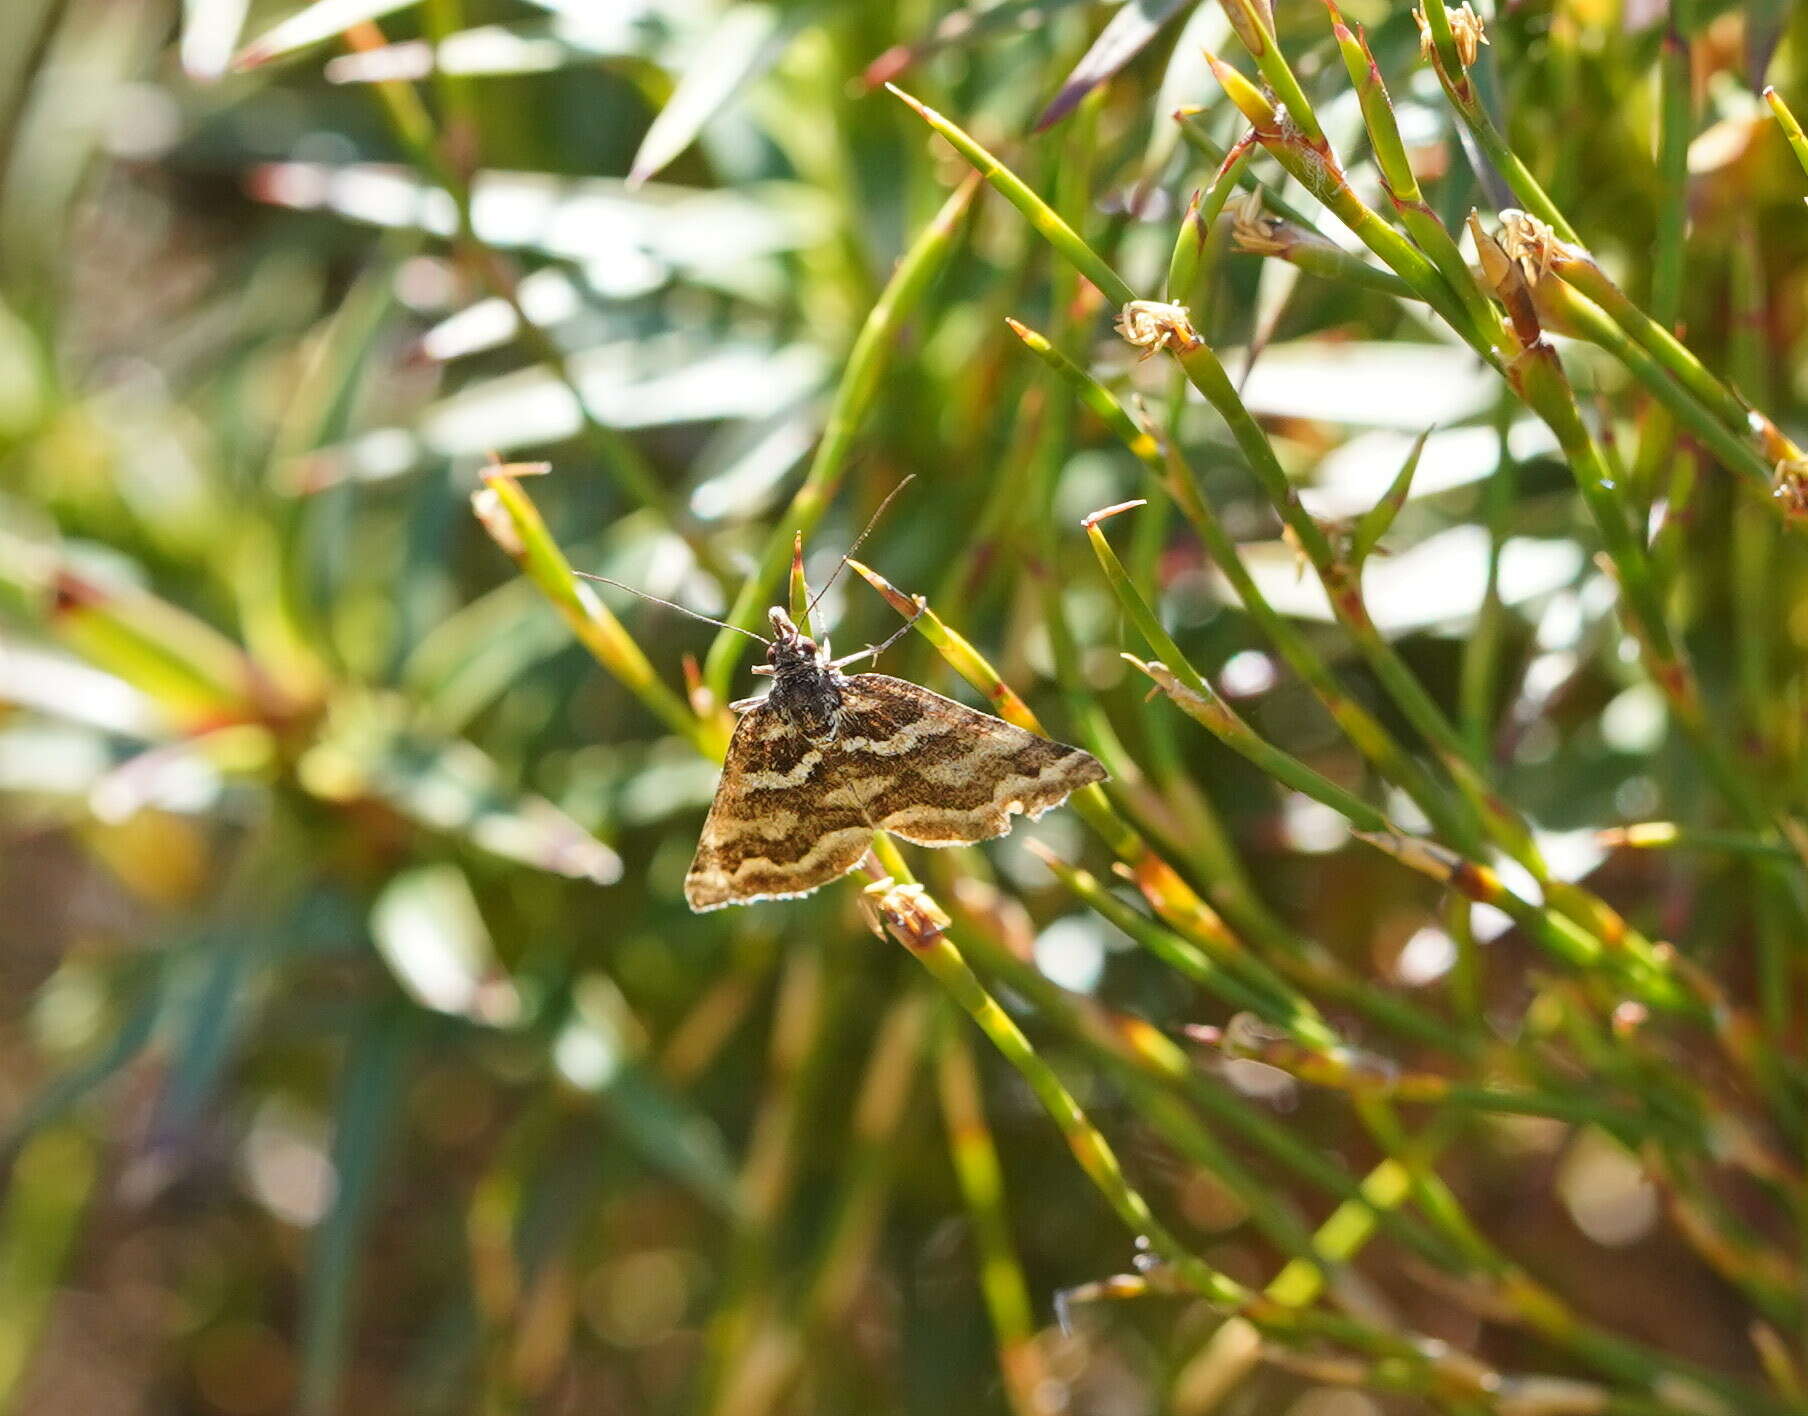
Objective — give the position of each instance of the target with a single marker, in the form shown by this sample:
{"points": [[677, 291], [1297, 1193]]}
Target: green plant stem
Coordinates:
{"points": [[800, 1033], [1479, 679], [981, 1178], [1666, 835], [1575, 267], [1200, 701], [879, 1111], [1178, 904], [1676, 122], [860, 382], [1681, 400], [1047, 223], [1401, 182], [1539, 377], [1134, 1049], [1166, 468], [945, 964], [1366, 1206], [913, 925], [1207, 374], [1225, 975], [1486, 814], [1467, 101], [1233, 171], [1315, 167], [1792, 130]]}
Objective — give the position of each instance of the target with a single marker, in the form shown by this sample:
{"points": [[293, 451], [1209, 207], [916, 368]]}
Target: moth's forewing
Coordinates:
{"points": [[774, 829]]}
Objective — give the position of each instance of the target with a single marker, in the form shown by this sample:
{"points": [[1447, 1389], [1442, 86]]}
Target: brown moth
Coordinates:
{"points": [[827, 758]]}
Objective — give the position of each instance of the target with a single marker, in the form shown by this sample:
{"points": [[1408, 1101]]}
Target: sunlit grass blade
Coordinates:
{"points": [[365, 1126], [866, 364], [1466, 99], [1792, 129], [514, 523], [1125, 35], [322, 20], [1001, 1279], [740, 44], [1044, 218], [196, 674], [48, 1187]]}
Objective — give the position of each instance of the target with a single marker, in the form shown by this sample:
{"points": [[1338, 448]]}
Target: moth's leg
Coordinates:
{"points": [[744, 704], [875, 650]]}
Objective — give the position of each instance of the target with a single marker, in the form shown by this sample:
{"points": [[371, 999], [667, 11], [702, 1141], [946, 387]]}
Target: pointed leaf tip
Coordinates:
{"points": [[1094, 518], [912, 100]]}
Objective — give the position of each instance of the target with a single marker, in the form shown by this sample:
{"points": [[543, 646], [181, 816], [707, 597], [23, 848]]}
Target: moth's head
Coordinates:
{"points": [[790, 646]]}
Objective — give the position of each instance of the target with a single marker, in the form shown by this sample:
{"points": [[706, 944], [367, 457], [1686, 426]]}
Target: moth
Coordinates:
{"points": [[827, 758]]}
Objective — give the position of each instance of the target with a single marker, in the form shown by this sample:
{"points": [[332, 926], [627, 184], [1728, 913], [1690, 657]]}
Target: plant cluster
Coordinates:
{"points": [[1426, 1034]]}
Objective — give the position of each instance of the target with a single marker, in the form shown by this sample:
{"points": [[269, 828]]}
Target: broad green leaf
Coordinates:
{"points": [[322, 20], [430, 932], [448, 786]]}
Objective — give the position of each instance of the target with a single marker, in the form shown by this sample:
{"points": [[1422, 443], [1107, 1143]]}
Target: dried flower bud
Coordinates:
{"points": [[1152, 326], [1530, 242], [1254, 230], [1789, 485], [909, 911], [1465, 29]]}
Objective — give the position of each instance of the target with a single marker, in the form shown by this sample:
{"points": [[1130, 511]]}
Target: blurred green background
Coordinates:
{"points": [[357, 1051]]}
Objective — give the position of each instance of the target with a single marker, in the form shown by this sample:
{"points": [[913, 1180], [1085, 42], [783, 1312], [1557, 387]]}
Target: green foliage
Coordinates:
{"points": [[1430, 1024]]}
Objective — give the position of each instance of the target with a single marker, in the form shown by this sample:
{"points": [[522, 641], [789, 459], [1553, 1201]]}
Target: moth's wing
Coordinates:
{"points": [[939, 773], [777, 827]]}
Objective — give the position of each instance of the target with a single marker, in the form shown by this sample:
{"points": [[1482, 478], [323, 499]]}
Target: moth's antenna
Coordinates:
{"points": [[722, 624], [848, 554]]}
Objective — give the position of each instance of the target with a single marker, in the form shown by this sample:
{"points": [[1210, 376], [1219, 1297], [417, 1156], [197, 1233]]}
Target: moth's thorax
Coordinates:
{"points": [[806, 687], [809, 698]]}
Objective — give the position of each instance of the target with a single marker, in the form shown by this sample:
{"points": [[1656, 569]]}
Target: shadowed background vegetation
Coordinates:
{"points": [[1414, 1023]]}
